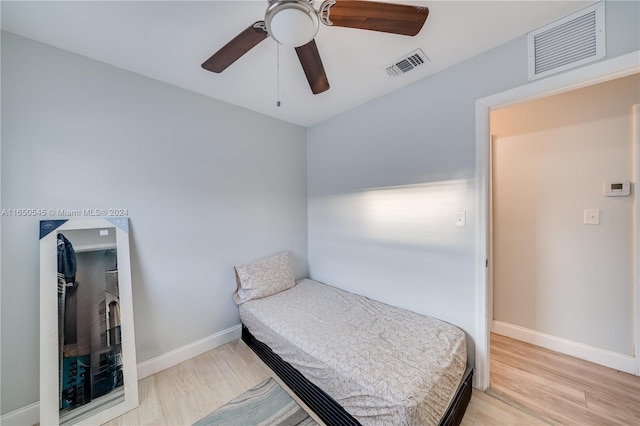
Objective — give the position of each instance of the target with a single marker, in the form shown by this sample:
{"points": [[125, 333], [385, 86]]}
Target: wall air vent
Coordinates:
{"points": [[407, 63], [567, 43]]}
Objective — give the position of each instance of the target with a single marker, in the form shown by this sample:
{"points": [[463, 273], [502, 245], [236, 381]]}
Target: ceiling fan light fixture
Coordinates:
{"points": [[295, 23], [292, 23]]}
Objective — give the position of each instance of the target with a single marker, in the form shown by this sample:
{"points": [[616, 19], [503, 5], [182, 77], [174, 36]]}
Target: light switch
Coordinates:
{"points": [[592, 216], [461, 220]]}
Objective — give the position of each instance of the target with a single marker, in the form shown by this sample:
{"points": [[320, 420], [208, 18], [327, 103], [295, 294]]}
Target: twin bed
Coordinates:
{"points": [[351, 359]]}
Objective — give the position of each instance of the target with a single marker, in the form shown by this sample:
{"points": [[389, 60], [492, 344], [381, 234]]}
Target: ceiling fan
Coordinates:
{"points": [[294, 23]]}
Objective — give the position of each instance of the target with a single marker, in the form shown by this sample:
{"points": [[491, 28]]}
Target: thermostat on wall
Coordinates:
{"points": [[617, 189]]}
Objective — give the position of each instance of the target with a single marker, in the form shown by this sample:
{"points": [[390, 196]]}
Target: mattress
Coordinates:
{"points": [[383, 364]]}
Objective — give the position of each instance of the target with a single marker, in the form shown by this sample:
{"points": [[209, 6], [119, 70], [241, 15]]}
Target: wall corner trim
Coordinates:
{"points": [[30, 414]]}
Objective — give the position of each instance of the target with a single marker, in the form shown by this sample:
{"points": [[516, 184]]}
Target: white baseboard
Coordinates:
{"points": [[154, 365], [604, 357], [30, 414]]}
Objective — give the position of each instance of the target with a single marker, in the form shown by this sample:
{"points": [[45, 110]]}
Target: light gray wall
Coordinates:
{"points": [[385, 179], [551, 158], [207, 185]]}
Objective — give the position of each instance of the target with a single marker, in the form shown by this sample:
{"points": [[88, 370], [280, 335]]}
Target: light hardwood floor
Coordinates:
{"points": [[185, 393], [561, 389]]}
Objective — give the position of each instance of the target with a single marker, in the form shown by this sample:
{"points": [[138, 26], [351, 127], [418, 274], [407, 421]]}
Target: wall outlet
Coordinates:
{"points": [[461, 220], [592, 216]]}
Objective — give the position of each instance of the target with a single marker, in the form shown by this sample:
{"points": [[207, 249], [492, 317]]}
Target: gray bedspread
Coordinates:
{"points": [[384, 365]]}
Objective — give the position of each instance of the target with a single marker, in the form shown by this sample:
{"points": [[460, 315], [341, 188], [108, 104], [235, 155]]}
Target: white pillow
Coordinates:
{"points": [[263, 278]]}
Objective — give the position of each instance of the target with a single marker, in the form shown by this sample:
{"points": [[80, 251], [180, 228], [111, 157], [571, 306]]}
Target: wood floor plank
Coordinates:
{"points": [[562, 389], [183, 394], [169, 398], [613, 409], [617, 382], [551, 408], [542, 355], [591, 376], [499, 412], [150, 412], [529, 357], [218, 375], [565, 391], [622, 397]]}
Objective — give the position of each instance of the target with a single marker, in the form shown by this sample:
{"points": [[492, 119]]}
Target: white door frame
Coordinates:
{"points": [[599, 72], [636, 226]]}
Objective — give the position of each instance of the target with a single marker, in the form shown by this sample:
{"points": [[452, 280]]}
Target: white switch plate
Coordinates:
{"points": [[461, 220], [592, 216]]}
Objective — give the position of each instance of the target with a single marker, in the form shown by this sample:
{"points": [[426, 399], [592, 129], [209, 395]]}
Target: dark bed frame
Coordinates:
{"points": [[326, 407]]}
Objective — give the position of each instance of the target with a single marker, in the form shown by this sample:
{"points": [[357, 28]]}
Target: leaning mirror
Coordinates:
{"points": [[87, 348]]}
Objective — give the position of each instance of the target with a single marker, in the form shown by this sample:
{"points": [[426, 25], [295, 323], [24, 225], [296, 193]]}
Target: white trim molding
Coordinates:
{"points": [[636, 233], [154, 365], [481, 376], [598, 72], [600, 356], [30, 414], [27, 415]]}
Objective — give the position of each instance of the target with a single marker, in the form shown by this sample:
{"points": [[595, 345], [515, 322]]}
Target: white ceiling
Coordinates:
{"points": [[168, 40]]}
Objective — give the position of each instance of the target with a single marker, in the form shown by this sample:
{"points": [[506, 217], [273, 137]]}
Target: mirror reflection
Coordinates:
{"points": [[89, 329]]}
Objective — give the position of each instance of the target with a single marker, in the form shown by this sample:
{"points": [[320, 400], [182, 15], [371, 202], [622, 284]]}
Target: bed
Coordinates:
{"points": [[351, 359]]}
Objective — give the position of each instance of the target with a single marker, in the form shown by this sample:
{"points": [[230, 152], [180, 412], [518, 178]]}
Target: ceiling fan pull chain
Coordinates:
{"points": [[278, 73]]}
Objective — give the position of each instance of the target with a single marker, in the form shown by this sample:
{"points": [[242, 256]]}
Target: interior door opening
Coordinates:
{"points": [[549, 164]]}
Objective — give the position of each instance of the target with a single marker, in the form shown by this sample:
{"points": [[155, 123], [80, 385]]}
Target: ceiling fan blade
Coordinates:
{"points": [[376, 16], [312, 65], [238, 46]]}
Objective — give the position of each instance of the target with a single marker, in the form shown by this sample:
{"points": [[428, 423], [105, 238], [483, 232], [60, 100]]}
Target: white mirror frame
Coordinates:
{"points": [[49, 345]]}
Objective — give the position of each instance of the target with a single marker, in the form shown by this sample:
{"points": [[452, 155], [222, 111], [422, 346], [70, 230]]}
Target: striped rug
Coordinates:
{"points": [[265, 404]]}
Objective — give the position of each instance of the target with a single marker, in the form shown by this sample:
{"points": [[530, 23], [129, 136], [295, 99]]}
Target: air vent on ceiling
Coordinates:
{"points": [[407, 63], [567, 43]]}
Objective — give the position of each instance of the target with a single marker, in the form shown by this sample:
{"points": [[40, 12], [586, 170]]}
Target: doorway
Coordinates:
{"points": [[600, 72], [561, 280], [562, 264]]}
